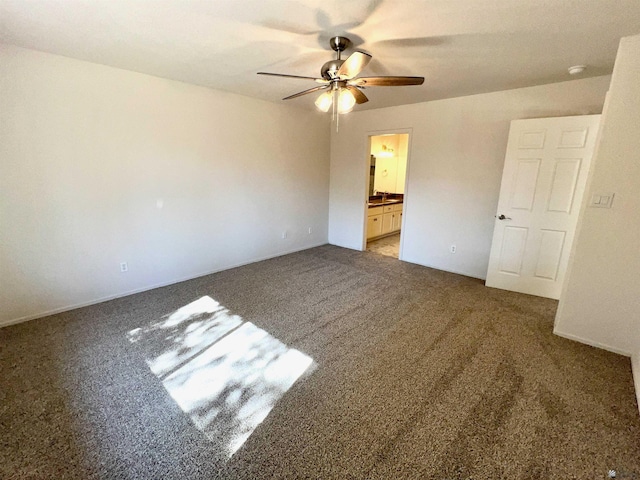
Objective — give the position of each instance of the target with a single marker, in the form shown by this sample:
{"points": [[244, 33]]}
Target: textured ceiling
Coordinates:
{"points": [[461, 47]]}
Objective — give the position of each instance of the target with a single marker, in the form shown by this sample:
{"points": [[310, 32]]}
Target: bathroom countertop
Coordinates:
{"points": [[378, 202]]}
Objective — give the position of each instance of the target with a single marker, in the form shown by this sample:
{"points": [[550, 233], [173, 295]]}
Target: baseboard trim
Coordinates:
{"points": [[67, 308], [464, 274], [591, 343], [635, 369], [380, 237]]}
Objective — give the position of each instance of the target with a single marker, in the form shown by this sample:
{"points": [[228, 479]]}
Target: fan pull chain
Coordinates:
{"points": [[336, 112]]}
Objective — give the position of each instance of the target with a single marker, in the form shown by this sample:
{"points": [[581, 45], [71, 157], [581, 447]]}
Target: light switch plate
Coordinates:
{"points": [[601, 200]]}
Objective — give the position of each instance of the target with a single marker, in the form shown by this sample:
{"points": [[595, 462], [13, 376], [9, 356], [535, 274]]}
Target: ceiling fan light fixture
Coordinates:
{"points": [[324, 101], [346, 101], [343, 87]]}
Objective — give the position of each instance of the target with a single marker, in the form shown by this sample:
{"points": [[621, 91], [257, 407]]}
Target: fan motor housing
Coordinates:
{"points": [[330, 69]]}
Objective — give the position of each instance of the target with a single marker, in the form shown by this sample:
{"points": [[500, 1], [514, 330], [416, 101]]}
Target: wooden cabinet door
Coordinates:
{"points": [[387, 223], [374, 226], [397, 221]]}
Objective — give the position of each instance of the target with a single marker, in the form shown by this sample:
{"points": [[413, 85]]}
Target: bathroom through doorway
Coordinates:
{"points": [[387, 174]]}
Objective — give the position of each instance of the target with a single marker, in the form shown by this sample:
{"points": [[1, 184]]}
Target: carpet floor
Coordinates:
{"points": [[326, 363]]}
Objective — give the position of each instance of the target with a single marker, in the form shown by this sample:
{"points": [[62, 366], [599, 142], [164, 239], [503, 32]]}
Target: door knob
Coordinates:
{"points": [[502, 217]]}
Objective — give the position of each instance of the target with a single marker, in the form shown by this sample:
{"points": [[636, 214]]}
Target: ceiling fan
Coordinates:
{"points": [[342, 88]]}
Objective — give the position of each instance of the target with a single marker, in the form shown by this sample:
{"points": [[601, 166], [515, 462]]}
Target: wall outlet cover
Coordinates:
{"points": [[601, 200]]}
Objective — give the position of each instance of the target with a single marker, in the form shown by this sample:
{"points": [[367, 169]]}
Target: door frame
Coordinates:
{"points": [[365, 172]]}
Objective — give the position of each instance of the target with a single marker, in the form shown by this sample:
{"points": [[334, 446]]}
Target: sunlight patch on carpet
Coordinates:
{"points": [[225, 373]]}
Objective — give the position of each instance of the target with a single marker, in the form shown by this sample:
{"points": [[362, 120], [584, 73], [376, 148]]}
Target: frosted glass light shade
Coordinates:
{"points": [[346, 101], [324, 101]]}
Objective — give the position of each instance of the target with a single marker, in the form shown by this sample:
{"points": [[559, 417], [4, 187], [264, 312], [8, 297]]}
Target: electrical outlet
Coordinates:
{"points": [[452, 249], [284, 234], [310, 230], [124, 267]]}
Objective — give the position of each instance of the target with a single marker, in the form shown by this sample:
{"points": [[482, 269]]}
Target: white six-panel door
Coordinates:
{"points": [[543, 182]]}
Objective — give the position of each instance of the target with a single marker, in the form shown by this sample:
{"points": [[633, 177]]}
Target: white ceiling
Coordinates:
{"points": [[461, 47]]}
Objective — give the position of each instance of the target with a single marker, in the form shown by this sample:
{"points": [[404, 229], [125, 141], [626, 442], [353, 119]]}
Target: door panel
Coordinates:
{"points": [[563, 185], [549, 254], [524, 187], [532, 139], [573, 138], [512, 252], [543, 182]]}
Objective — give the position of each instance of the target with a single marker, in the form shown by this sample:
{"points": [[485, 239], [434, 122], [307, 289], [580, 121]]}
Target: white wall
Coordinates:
{"points": [[600, 304], [403, 151], [99, 166], [456, 156]]}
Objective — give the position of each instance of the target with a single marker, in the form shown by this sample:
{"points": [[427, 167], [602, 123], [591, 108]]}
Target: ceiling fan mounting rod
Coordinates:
{"points": [[330, 69], [339, 44]]}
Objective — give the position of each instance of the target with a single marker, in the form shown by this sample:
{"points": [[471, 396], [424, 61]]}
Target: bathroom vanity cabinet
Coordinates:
{"points": [[384, 220]]}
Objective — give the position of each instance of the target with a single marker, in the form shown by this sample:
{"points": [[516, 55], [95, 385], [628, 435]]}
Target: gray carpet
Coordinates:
{"points": [[408, 373]]}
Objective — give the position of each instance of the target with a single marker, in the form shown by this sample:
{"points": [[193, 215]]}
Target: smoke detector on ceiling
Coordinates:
{"points": [[576, 69]]}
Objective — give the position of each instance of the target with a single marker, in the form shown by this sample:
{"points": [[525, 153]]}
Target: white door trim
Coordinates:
{"points": [[365, 170]]}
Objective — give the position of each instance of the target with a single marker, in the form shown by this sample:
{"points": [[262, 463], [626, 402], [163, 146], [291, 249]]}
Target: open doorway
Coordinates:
{"points": [[388, 155]]}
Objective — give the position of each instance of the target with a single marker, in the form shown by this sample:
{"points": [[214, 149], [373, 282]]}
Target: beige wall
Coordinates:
{"points": [[403, 149], [456, 155], [600, 304], [100, 166]]}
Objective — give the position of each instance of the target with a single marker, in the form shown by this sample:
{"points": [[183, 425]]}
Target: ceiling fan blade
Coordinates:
{"points": [[317, 80], [386, 81], [305, 92], [353, 65], [357, 93]]}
